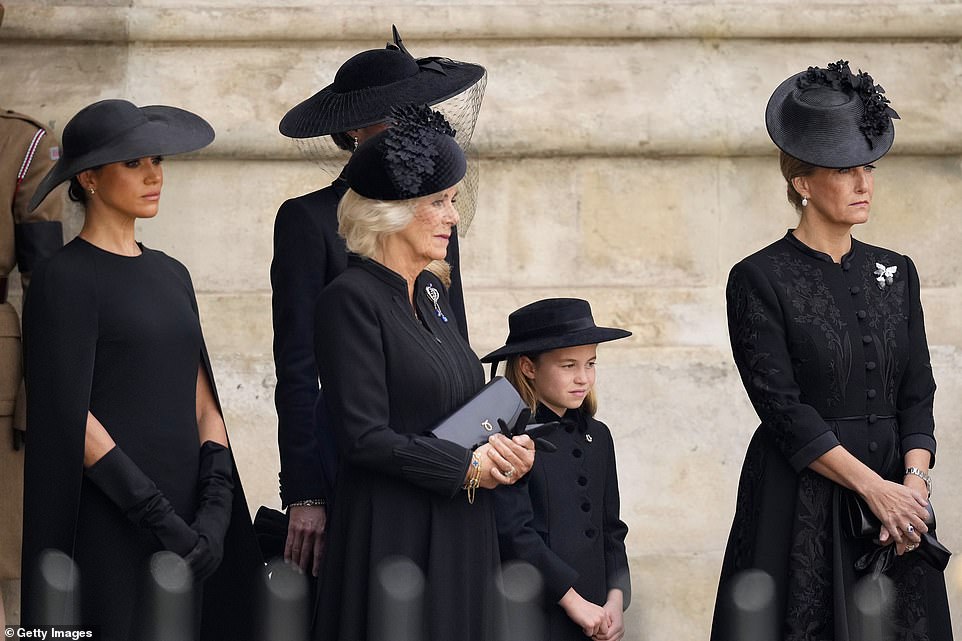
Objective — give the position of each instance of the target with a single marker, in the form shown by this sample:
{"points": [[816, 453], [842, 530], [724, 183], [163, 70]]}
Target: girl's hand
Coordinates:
{"points": [[593, 619], [614, 608], [508, 459]]}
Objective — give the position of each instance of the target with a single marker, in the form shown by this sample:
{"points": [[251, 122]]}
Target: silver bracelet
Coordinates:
{"points": [[308, 503], [922, 475]]}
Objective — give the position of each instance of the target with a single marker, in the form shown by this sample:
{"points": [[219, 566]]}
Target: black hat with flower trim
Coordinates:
{"points": [[831, 117], [371, 83], [417, 156], [552, 323]]}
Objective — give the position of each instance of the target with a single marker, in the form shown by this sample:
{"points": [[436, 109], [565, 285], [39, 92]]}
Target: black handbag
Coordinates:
{"points": [[471, 424], [270, 529], [859, 522]]}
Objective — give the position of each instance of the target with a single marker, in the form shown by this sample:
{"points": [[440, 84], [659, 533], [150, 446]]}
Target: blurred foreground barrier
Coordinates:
{"points": [[521, 586], [59, 582], [170, 613], [750, 607], [874, 597], [398, 607], [284, 604]]}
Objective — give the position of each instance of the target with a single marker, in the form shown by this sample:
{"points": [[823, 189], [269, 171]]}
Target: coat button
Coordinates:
{"points": [[590, 533], [870, 365], [576, 453], [861, 313], [582, 481], [870, 393], [586, 507], [872, 418], [569, 428], [872, 446], [866, 339], [846, 265], [856, 289]]}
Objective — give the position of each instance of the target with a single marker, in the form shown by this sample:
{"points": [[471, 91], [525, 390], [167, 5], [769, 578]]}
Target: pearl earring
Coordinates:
{"points": [[804, 202], [92, 191]]}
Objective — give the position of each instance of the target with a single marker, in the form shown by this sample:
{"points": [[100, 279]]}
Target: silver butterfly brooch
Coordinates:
{"points": [[885, 275]]}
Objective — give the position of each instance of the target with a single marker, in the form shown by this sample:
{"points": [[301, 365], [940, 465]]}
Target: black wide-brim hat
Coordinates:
{"points": [[417, 156], [117, 130], [831, 117], [369, 84], [552, 323]]}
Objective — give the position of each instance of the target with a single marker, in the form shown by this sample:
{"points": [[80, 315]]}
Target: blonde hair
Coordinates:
{"points": [[525, 386], [365, 222]]}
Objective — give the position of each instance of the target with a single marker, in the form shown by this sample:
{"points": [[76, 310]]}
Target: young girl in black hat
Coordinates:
{"points": [[565, 520]]}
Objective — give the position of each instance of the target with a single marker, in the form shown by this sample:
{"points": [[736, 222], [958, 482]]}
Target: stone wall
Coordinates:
{"points": [[625, 161]]}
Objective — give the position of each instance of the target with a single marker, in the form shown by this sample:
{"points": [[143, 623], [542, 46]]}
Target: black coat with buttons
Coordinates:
{"points": [[564, 519], [830, 354]]}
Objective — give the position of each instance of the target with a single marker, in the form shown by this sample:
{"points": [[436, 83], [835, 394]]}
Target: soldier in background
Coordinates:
{"points": [[27, 151]]}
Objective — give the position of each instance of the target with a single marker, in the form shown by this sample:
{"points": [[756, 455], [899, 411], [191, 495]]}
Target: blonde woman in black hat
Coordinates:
{"points": [[393, 364], [565, 520], [128, 452], [309, 253], [828, 336]]}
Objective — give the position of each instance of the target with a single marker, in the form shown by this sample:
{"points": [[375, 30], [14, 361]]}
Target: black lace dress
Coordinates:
{"points": [[829, 354]]}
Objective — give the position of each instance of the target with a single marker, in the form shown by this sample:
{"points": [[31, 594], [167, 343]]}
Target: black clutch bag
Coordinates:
{"points": [[471, 424], [270, 528], [859, 522]]}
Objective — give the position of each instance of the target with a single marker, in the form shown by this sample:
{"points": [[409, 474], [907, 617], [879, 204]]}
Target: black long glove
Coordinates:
{"points": [[215, 488], [141, 501]]}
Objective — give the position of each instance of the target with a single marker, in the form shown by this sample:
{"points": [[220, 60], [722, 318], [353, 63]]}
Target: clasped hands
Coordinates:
{"points": [[903, 512]]}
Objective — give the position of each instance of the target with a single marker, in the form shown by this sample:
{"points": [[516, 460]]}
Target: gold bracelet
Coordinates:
{"points": [[475, 481]]}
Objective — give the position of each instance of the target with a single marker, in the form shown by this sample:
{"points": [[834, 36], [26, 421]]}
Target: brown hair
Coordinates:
{"points": [[793, 168], [512, 372]]}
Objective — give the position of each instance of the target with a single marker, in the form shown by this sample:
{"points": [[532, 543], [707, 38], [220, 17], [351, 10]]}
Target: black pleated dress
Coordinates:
{"points": [[389, 375]]}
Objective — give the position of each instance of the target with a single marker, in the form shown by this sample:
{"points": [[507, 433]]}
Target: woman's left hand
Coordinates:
{"points": [[510, 459]]}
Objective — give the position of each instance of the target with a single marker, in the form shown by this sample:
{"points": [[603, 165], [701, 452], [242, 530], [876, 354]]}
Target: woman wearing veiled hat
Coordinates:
{"points": [[393, 364], [828, 337], [128, 451], [309, 253]]}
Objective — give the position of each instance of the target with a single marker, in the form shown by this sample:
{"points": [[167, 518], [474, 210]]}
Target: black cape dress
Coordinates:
{"points": [[309, 254], [389, 376], [563, 518], [830, 355], [119, 336]]}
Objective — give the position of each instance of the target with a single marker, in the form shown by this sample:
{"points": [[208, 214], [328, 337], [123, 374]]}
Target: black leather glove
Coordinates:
{"points": [[215, 489], [537, 431], [141, 501]]}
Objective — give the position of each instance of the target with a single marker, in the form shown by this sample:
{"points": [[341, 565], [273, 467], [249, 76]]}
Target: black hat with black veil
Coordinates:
{"points": [[365, 90]]}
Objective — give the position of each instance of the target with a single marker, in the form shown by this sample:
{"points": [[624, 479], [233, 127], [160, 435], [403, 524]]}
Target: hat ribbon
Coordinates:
{"points": [[551, 330], [435, 63]]}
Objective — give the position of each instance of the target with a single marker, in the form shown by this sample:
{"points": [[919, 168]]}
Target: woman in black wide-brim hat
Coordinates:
{"points": [[128, 450], [393, 364], [828, 337], [309, 253]]}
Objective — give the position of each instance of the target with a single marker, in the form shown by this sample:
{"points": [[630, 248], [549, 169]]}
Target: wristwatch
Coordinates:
{"points": [[922, 475]]}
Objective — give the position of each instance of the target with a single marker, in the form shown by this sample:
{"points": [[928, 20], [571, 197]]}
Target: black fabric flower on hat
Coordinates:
{"points": [[415, 157], [409, 146], [839, 77]]}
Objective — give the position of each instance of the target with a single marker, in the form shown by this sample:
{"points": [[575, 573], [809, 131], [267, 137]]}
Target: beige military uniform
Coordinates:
{"points": [[27, 151]]}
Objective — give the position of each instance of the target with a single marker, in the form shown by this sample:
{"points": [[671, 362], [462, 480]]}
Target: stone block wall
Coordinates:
{"points": [[624, 160]]}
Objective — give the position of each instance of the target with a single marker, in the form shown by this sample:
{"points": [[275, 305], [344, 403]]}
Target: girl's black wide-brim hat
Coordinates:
{"points": [[552, 323], [117, 130], [371, 83], [831, 117]]}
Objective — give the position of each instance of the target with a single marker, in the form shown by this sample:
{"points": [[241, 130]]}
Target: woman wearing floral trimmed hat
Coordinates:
{"points": [[828, 336], [394, 364], [309, 254]]}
